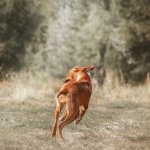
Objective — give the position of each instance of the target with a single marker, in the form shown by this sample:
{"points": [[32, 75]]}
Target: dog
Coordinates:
{"points": [[75, 94]]}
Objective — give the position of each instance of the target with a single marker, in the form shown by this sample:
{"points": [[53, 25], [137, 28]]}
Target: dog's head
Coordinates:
{"points": [[78, 73]]}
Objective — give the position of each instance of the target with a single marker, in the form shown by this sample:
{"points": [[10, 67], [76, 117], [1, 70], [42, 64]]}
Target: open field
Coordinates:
{"points": [[118, 117]]}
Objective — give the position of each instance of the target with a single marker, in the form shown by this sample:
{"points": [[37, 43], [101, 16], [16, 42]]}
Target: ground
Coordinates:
{"points": [[120, 123]]}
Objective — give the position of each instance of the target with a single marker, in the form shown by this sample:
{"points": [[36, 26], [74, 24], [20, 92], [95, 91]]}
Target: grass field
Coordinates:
{"points": [[118, 117]]}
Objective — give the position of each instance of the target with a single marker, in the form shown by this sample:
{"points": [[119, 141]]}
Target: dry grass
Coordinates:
{"points": [[118, 116]]}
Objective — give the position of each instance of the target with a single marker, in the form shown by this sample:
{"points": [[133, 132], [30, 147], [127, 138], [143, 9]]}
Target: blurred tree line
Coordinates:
{"points": [[55, 35]]}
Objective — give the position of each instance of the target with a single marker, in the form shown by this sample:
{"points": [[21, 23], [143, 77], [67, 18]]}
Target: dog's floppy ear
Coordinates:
{"points": [[87, 68]]}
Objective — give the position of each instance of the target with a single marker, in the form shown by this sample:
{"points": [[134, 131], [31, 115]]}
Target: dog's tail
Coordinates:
{"points": [[64, 92]]}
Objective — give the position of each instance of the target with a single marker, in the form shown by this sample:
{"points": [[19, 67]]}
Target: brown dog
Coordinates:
{"points": [[75, 94]]}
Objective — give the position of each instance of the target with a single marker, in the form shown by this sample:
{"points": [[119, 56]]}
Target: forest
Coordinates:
{"points": [[41, 40], [53, 36]]}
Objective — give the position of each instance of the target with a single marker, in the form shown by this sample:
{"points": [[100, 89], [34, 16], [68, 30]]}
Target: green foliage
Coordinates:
{"points": [[129, 46], [17, 28], [55, 35]]}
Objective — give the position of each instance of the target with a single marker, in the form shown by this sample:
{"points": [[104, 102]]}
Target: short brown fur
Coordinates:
{"points": [[75, 94]]}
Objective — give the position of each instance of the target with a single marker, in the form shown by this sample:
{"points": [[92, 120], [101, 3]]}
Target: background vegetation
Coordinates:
{"points": [[55, 35]]}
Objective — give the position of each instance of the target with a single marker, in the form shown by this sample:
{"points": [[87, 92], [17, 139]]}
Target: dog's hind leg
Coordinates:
{"points": [[68, 119], [62, 118], [57, 112]]}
